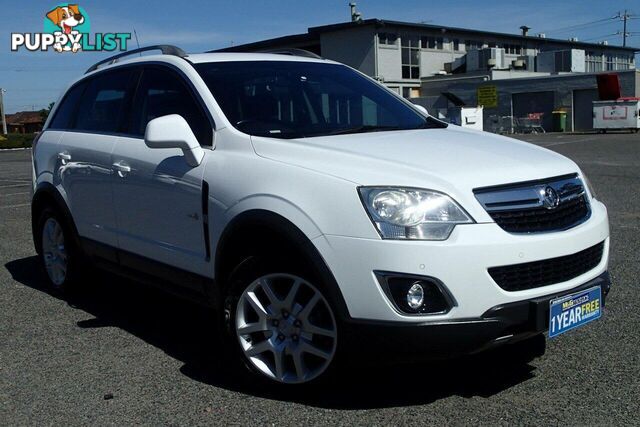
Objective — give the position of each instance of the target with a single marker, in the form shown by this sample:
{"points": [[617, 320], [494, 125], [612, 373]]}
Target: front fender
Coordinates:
{"points": [[279, 206]]}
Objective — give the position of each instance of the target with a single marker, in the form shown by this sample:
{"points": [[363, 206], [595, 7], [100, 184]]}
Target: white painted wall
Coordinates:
{"points": [[354, 47], [390, 62]]}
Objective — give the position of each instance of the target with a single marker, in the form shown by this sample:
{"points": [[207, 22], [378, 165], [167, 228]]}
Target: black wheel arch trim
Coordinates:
{"points": [[49, 194], [275, 222]]}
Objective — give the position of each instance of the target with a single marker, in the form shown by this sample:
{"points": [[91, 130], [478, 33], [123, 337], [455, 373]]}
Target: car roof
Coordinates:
{"points": [[199, 58]]}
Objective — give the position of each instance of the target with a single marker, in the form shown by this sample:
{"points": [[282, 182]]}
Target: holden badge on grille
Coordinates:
{"points": [[549, 197]]}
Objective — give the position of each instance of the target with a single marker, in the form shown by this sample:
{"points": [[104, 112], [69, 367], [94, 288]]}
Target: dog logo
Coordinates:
{"points": [[67, 28], [67, 18]]}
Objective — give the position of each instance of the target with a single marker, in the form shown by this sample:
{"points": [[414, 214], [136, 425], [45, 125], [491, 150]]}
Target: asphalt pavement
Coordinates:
{"points": [[119, 353]]}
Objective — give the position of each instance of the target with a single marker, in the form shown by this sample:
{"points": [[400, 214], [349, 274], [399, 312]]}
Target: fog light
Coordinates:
{"points": [[415, 296]]}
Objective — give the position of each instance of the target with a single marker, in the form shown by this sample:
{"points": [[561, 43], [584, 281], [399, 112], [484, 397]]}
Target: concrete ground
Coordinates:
{"points": [[118, 353]]}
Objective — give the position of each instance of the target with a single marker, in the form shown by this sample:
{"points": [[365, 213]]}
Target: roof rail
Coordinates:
{"points": [[293, 52], [166, 49]]}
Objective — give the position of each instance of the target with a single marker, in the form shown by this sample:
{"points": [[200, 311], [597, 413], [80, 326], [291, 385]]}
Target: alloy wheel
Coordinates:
{"points": [[54, 251], [286, 328]]}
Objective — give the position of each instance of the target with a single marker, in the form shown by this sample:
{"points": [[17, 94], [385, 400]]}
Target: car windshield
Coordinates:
{"points": [[294, 99]]}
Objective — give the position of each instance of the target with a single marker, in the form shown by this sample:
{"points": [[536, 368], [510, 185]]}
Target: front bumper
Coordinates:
{"points": [[461, 263], [502, 324]]}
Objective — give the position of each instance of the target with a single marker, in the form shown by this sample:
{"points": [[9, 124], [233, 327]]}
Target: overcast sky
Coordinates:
{"points": [[33, 80]]}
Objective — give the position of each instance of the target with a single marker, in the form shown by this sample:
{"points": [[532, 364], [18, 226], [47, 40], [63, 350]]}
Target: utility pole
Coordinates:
{"points": [[2, 115], [625, 17]]}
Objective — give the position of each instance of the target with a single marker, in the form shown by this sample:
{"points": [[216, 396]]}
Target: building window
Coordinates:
{"points": [[388, 39], [410, 92], [410, 58], [456, 44], [512, 49], [594, 62], [622, 62], [473, 44], [618, 63], [429, 42], [610, 62]]}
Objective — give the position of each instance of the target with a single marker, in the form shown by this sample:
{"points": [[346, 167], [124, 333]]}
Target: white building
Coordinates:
{"points": [[400, 54]]}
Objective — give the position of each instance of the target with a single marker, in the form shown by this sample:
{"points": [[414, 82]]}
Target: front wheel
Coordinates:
{"points": [[284, 326]]}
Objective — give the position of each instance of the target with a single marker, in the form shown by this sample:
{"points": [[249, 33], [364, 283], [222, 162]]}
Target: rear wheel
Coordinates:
{"points": [[58, 254], [282, 324]]}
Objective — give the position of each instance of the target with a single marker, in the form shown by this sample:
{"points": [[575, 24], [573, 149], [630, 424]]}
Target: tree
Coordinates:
{"points": [[44, 113]]}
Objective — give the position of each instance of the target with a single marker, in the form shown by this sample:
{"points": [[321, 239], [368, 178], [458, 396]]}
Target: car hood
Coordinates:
{"points": [[453, 160]]}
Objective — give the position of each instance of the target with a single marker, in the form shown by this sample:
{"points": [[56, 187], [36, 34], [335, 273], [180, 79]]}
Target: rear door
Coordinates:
{"points": [[84, 153], [158, 197]]}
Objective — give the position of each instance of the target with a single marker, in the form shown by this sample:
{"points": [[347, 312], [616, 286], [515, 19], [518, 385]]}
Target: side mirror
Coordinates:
{"points": [[173, 131], [421, 109]]}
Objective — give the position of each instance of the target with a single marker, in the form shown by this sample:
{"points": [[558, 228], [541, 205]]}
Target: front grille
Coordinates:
{"points": [[537, 220], [552, 204], [530, 275]]}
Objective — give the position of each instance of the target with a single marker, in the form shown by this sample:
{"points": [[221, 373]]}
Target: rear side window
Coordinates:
{"points": [[103, 102], [65, 112], [162, 92]]}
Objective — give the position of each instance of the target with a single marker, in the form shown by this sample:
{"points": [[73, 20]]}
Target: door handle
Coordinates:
{"points": [[64, 157], [122, 169]]}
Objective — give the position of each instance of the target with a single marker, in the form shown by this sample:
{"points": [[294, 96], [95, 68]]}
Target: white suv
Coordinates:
{"points": [[320, 213]]}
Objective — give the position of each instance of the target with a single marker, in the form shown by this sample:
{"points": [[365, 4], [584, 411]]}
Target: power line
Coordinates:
{"points": [[620, 16], [37, 68], [586, 27], [576, 26], [37, 90], [617, 33]]}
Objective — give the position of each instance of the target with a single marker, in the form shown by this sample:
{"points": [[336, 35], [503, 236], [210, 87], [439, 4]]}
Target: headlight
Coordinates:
{"points": [[407, 213], [587, 182]]}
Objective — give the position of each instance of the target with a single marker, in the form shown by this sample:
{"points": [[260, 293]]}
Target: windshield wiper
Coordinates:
{"points": [[362, 129]]}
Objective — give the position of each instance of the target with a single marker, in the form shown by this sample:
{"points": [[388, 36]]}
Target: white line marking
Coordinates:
{"points": [[599, 163], [15, 206], [15, 185], [14, 194], [552, 144]]}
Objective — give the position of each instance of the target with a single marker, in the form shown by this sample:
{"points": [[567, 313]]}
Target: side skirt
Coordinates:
{"points": [[181, 283]]}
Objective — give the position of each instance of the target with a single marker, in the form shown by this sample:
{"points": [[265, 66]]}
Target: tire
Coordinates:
{"points": [[59, 256], [280, 322]]}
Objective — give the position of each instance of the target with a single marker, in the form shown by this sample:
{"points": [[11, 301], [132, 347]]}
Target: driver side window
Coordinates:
{"points": [[162, 92]]}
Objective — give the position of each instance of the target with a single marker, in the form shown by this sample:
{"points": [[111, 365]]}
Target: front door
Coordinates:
{"points": [[157, 195]]}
